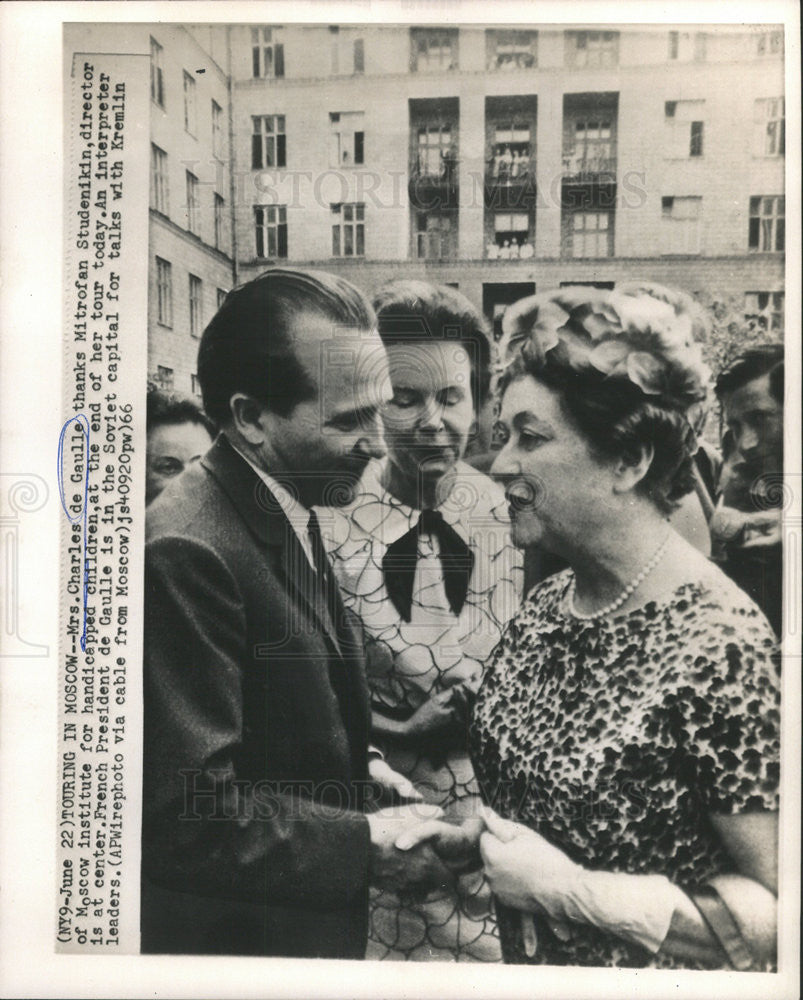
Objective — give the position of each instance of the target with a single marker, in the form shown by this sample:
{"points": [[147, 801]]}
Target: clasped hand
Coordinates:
{"points": [[524, 870]]}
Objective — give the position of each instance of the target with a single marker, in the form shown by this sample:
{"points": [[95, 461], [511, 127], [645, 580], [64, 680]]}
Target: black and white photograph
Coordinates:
{"points": [[423, 475]]}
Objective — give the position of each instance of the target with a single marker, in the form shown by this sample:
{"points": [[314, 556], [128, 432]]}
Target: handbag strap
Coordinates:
{"points": [[724, 928]]}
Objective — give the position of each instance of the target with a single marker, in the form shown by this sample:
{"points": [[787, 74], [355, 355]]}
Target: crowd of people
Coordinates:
{"points": [[410, 697]]}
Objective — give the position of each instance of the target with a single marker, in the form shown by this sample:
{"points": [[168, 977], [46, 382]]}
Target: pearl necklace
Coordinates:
{"points": [[620, 600]]}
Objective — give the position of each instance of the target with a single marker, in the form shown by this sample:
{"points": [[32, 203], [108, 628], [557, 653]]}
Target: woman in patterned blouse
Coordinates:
{"points": [[626, 733], [424, 559]]}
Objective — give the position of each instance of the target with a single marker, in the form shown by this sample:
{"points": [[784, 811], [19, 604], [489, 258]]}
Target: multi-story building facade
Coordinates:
{"points": [[504, 160], [191, 259]]}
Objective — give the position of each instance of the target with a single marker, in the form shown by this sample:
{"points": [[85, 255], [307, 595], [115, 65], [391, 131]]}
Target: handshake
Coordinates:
{"points": [[413, 848]]}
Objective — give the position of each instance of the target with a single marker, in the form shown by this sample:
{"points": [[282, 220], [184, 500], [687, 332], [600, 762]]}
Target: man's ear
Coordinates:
{"points": [[248, 418], [629, 470]]}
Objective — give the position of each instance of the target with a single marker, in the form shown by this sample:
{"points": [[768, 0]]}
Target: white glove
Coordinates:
{"points": [[528, 873]]}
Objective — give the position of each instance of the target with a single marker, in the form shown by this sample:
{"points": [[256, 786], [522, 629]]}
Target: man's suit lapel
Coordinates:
{"points": [[265, 518]]}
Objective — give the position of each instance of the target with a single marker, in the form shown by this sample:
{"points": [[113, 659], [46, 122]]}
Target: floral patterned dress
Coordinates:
{"points": [[435, 653], [615, 738]]}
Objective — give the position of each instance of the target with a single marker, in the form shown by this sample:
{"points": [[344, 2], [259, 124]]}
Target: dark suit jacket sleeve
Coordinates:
{"points": [[238, 841]]}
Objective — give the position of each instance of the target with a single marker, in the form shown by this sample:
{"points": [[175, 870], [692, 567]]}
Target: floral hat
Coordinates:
{"points": [[643, 333]]}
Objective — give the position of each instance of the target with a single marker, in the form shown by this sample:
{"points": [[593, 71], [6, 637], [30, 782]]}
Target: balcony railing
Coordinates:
{"points": [[428, 169], [589, 165], [502, 171]]}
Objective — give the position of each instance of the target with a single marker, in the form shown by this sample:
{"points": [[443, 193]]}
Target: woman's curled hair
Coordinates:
{"points": [[627, 366]]}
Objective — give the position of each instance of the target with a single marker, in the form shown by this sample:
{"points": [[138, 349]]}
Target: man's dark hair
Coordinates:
{"points": [[247, 347], [411, 312], [755, 362], [168, 408]]}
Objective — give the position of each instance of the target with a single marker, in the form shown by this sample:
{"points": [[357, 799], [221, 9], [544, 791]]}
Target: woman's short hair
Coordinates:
{"points": [[168, 408], [628, 368], [248, 347], [411, 312]]}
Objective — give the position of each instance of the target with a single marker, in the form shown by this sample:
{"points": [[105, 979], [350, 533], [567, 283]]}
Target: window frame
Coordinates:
{"points": [[190, 104], [262, 43], [449, 42], [160, 181], [196, 305], [157, 74], [270, 226], [446, 236], [598, 232], [766, 227], [681, 224], [217, 130], [192, 188], [348, 234], [272, 137], [164, 292]]}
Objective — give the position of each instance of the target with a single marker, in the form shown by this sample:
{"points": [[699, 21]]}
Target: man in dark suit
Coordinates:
{"points": [[255, 835]]}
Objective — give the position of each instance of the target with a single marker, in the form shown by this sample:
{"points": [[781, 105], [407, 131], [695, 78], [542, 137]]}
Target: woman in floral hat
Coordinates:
{"points": [[627, 729]]}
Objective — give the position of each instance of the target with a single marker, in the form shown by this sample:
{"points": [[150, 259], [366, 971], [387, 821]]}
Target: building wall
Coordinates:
{"points": [[188, 50], [723, 69]]}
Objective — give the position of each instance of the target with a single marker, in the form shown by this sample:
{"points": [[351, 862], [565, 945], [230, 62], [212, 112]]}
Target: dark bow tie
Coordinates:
{"points": [[401, 557]]}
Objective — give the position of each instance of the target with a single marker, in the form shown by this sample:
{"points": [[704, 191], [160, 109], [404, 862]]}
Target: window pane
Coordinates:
{"points": [[360, 212], [752, 239], [348, 241], [360, 240], [282, 247], [281, 151]]}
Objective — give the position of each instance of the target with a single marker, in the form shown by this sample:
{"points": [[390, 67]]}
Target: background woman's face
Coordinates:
{"points": [[428, 421], [557, 488]]}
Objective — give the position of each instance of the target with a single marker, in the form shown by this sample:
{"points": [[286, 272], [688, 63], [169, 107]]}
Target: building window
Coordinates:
{"points": [[196, 386], [767, 223], [770, 127], [217, 130], [193, 206], [190, 119], [769, 43], [433, 49], [435, 152], [219, 206], [268, 142], [591, 234], [347, 131], [359, 55], [267, 52], [348, 230], [687, 45], [221, 296], [511, 50], [684, 128], [696, 139], [766, 309], [157, 74], [512, 236], [164, 376], [592, 49], [159, 185], [511, 150], [674, 44], [196, 307], [592, 147], [164, 292], [436, 235], [271, 230], [680, 222]]}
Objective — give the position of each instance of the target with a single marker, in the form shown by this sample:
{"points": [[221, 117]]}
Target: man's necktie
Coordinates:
{"points": [[401, 557]]}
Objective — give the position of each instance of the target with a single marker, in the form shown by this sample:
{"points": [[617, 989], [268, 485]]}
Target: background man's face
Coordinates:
{"points": [[755, 419], [326, 442], [170, 449]]}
